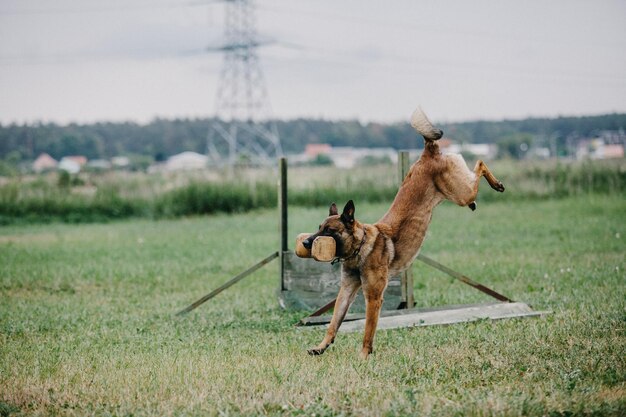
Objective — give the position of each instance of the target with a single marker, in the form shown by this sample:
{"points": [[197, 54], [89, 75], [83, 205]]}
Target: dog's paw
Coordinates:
{"points": [[315, 351], [365, 353], [498, 187]]}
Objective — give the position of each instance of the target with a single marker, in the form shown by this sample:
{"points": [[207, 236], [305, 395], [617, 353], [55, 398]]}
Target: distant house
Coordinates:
{"points": [[44, 162], [344, 156], [312, 150], [606, 151], [186, 161], [70, 165], [481, 150], [598, 149], [79, 159], [120, 161], [539, 152], [347, 157], [99, 164], [613, 151]]}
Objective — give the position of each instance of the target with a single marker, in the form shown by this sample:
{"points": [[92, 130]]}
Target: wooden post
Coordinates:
{"points": [[283, 217], [403, 165], [407, 276]]}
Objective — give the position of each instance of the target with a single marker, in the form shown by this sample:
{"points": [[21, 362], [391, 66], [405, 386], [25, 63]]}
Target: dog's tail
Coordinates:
{"points": [[422, 125]]}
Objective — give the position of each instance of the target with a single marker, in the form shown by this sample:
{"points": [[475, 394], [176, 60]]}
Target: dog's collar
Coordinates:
{"points": [[354, 254]]}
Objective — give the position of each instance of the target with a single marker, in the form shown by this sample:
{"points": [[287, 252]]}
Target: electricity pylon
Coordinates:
{"points": [[242, 131]]}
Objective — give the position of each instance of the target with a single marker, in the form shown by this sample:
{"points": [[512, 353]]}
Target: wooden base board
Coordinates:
{"points": [[433, 316], [308, 285]]}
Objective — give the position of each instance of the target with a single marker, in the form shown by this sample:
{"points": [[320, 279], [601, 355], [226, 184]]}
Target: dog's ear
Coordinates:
{"points": [[332, 211], [348, 213]]}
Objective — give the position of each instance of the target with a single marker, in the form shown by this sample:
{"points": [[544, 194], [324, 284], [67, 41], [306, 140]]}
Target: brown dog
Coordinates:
{"points": [[372, 252]]}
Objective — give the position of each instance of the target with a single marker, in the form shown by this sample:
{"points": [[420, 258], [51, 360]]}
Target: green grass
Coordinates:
{"points": [[87, 324]]}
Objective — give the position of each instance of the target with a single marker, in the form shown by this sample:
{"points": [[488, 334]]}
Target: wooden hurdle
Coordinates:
{"points": [[312, 286], [308, 285]]}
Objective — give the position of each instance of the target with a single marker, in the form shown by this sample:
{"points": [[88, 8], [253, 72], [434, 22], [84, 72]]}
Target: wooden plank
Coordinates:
{"points": [[307, 269], [228, 284], [448, 316], [326, 307], [321, 284], [462, 278], [313, 321], [308, 285], [291, 300], [311, 301]]}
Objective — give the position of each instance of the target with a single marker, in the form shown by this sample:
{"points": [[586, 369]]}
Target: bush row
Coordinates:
{"points": [[21, 203]]}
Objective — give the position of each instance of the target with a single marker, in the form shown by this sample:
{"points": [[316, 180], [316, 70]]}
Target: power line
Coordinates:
{"points": [[106, 9], [430, 29]]}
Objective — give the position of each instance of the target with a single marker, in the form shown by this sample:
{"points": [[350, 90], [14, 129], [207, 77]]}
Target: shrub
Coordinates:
{"points": [[207, 198], [41, 201]]}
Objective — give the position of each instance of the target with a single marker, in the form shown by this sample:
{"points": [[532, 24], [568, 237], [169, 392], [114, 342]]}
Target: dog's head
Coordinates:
{"points": [[338, 226]]}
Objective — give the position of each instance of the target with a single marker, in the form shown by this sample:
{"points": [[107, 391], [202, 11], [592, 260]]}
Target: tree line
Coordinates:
{"points": [[162, 138]]}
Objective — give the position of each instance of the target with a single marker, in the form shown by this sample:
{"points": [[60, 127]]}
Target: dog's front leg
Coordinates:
{"points": [[373, 292], [481, 170], [347, 293]]}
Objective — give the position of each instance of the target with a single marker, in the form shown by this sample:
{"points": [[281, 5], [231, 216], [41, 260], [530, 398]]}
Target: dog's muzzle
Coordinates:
{"points": [[308, 243]]}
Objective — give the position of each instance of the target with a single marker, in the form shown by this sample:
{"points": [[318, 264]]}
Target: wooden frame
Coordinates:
{"points": [[309, 285], [306, 284]]}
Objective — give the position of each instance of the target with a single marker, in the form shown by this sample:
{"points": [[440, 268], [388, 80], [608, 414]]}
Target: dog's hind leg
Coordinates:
{"points": [[347, 294], [460, 185], [373, 292]]}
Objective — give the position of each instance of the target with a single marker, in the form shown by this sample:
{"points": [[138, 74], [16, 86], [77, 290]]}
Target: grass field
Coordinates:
{"points": [[87, 323]]}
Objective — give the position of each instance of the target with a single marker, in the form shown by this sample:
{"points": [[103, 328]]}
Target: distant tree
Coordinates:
{"points": [[515, 145], [13, 158], [140, 162], [321, 160], [7, 170], [64, 179], [371, 160], [162, 138]]}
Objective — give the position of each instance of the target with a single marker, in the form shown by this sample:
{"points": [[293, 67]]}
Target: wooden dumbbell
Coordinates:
{"points": [[301, 251], [323, 249]]}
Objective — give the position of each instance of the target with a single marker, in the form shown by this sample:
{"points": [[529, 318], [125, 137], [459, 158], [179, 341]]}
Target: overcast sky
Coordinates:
{"points": [[135, 60]]}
